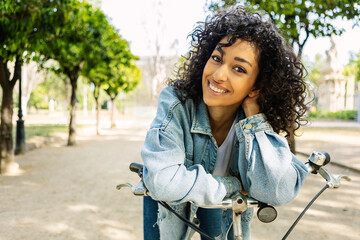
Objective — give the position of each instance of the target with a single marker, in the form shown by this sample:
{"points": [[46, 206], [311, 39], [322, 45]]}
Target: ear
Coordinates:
{"points": [[254, 93]]}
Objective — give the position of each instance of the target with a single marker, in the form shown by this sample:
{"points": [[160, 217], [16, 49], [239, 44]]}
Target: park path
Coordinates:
{"points": [[69, 193]]}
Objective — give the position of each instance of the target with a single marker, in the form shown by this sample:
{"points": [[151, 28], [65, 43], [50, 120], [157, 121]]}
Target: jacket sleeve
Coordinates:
{"points": [[168, 179], [166, 174], [274, 174]]}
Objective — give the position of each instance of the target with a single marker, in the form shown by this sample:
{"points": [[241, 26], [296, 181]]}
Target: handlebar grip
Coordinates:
{"points": [[136, 167], [317, 160], [266, 213], [327, 158]]}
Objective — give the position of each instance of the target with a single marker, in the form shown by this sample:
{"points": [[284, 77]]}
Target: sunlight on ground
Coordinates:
{"points": [[57, 228], [13, 170], [114, 233], [327, 228], [319, 213], [30, 184], [116, 230], [83, 207], [110, 223], [68, 193], [27, 221]]}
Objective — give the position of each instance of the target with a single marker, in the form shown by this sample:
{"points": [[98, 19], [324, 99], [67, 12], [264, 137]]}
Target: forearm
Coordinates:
{"points": [[168, 179], [274, 174]]}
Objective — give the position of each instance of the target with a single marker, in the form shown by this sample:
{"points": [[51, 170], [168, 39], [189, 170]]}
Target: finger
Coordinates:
{"points": [[254, 93]]}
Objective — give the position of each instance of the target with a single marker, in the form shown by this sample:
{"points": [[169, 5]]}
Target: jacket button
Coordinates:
{"points": [[248, 126]]}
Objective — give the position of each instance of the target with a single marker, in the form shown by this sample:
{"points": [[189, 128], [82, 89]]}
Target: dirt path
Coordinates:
{"points": [[69, 193]]}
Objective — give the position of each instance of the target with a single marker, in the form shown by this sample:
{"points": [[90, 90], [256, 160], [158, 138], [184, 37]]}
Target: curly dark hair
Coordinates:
{"points": [[281, 73]]}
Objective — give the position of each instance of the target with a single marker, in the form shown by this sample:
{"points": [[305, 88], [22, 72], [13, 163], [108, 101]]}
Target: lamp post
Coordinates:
{"points": [[20, 130]]}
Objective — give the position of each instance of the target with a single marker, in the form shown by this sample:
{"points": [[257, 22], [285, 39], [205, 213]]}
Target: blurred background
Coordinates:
{"points": [[151, 37], [88, 73], [116, 57]]}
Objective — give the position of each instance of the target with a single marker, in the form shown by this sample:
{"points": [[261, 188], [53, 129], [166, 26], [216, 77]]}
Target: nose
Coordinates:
{"points": [[221, 74]]}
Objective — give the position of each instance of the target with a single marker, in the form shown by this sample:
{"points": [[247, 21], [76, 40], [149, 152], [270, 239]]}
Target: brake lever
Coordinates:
{"points": [[331, 181], [122, 185], [139, 190]]}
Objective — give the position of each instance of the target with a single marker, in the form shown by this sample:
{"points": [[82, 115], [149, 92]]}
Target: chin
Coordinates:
{"points": [[211, 102]]}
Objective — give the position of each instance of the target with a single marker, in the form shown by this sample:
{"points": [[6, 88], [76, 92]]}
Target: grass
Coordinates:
{"points": [[326, 115], [43, 130]]}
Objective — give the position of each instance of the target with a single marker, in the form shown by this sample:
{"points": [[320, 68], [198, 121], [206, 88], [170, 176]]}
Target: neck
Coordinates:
{"points": [[221, 121], [221, 117]]}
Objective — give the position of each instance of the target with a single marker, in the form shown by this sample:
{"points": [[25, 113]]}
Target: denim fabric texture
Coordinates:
{"points": [[150, 210], [180, 153], [211, 220]]}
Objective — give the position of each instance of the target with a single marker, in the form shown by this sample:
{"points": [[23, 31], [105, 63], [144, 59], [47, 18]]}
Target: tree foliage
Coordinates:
{"points": [[53, 87], [73, 46], [124, 79], [68, 31], [110, 65], [353, 67], [23, 24], [108, 49], [314, 69], [300, 19]]}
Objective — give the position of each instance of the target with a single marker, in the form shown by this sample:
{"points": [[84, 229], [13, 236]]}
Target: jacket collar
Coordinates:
{"points": [[201, 122]]}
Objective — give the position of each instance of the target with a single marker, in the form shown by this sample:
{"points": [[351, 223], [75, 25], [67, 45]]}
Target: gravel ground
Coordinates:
{"points": [[69, 193]]}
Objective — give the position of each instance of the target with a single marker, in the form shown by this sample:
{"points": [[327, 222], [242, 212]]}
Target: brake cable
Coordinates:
{"points": [[187, 222], [304, 211]]}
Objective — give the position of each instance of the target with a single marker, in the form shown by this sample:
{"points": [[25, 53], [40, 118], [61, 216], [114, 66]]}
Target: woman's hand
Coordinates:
{"points": [[250, 103]]}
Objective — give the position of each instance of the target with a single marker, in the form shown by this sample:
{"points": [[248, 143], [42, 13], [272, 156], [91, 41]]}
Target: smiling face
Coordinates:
{"points": [[230, 74]]}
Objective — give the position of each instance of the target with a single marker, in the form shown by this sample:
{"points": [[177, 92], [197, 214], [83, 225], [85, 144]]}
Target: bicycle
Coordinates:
{"points": [[239, 202]]}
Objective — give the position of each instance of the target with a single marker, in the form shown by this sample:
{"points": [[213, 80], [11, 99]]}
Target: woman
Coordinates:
{"points": [[216, 131]]}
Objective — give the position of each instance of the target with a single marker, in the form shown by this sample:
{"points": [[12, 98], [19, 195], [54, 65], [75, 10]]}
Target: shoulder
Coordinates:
{"points": [[168, 96], [170, 107], [168, 101]]}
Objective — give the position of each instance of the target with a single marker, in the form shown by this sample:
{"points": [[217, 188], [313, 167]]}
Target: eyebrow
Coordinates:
{"points": [[236, 58], [243, 60]]}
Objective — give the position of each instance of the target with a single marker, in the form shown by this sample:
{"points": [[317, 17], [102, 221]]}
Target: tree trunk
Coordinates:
{"points": [[6, 138], [7, 160], [96, 94], [68, 91], [113, 109], [292, 142], [72, 125], [97, 115], [291, 137]]}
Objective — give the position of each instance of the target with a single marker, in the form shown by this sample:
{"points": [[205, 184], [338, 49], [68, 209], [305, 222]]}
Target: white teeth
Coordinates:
{"points": [[216, 89]]}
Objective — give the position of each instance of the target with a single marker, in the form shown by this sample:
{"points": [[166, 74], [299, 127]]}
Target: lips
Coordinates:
{"points": [[216, 88]]}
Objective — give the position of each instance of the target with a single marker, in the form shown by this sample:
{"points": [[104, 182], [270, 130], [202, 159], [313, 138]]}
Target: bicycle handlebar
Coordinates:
{"points": [[136, 167], [317, 160], [239, 202], [315, 164]]}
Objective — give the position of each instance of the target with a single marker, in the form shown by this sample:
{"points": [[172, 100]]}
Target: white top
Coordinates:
{"points": [[224, 153]]}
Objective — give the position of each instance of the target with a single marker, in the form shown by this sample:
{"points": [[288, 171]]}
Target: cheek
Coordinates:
{"points": [[207, 70]]}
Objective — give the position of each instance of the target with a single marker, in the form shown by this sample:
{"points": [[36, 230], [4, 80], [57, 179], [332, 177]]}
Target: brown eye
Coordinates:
{"points": [[216, 58], [239, 69]]}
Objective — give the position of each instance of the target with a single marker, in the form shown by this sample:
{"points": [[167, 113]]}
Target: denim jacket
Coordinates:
{"points": [[180, 153]]}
